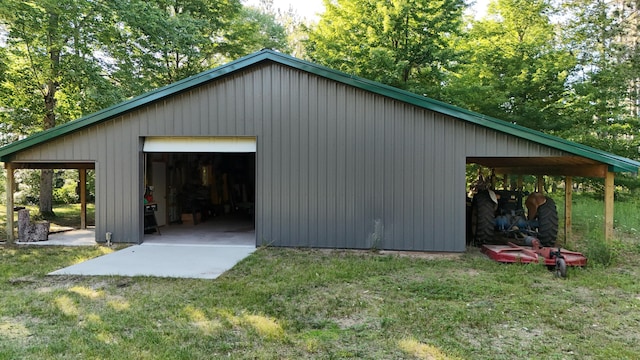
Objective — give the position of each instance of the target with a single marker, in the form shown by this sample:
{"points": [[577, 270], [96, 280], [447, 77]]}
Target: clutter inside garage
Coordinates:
{"points": [[193, 188]]}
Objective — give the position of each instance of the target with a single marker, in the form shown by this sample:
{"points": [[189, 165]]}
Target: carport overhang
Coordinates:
{"points": [[552, 166], [567, 167], [81, 166]]}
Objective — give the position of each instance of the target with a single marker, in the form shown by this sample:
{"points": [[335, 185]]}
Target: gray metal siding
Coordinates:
{"points": [[332, 160]]}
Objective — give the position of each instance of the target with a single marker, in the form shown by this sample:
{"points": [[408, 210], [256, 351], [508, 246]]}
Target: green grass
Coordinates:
{"points": [[295, 304]]}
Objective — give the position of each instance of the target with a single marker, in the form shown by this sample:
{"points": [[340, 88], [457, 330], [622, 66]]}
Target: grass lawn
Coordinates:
{"points": [[301, 304], [295, 304]]}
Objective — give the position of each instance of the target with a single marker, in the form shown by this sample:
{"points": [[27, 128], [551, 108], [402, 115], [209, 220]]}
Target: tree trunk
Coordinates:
{"points": [[46, 193], [46, 177]]}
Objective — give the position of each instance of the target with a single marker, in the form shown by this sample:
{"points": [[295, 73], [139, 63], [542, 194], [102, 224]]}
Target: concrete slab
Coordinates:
{"points": [[85, 237], [164, 260]]}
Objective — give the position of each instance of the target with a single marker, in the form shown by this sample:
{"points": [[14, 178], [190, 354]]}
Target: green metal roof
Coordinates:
{"points": [[614, 162]]}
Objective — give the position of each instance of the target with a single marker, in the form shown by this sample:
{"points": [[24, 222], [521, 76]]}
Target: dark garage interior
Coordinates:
{"points": [[194, 192]]}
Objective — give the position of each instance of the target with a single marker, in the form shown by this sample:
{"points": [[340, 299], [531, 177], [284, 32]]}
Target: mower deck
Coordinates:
{"points": [[513, 253]]}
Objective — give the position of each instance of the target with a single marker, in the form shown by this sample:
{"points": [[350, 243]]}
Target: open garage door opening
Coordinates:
{"points": [[200, 190]]}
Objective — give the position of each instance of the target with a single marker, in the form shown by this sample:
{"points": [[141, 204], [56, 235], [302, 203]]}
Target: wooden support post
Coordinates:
{"points": [[10, 190], [505, 182], [568, 194], [82, 175], [608, 205], [541, 184]]}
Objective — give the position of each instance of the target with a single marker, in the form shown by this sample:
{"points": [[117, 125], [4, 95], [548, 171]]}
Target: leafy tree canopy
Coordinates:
{"points": [[403, 43]]}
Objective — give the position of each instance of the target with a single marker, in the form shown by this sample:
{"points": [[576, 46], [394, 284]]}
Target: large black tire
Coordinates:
{"points": [[483, 218], [547, 223]]}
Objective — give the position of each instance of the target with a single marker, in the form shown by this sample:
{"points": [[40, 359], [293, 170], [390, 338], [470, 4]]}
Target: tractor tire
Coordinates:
{"points": [[483, 218], [547, 223]]}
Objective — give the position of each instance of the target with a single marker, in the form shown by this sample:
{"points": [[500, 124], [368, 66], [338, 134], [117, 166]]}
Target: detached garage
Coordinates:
{"points": [[311, 156]]}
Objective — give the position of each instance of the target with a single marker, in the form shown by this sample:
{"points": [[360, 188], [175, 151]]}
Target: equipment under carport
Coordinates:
{"points": [[555, 259]]}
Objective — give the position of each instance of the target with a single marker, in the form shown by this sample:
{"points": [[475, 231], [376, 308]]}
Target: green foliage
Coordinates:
{"points": [[599, 252], [67, 193], [65, 187], [164, 41], [513, 67], [400, 43], [50, 52], [255, 29]]}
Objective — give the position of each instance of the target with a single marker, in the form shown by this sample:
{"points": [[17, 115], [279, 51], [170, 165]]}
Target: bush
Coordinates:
{"points": [[599, 252], [66, 194]]}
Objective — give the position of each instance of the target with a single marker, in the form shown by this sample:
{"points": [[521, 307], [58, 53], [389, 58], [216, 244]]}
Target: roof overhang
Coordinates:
{"points": [[556, 165]]}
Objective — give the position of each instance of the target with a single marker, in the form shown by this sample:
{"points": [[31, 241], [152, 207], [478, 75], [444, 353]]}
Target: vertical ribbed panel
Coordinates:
{"points": [[336, 166]]}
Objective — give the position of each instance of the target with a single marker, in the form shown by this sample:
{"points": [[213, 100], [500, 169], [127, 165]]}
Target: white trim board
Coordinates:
{"points": [[183, 144]]}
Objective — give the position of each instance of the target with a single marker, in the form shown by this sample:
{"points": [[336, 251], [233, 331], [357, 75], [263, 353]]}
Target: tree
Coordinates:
{"points": [[163, 41], [514, 67], [603, 98], [255, 29], [403, 43], [52, 73]]}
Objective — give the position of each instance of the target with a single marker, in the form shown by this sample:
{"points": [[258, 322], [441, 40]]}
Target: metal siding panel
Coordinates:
{"points": [[240, 107], [331, 172], [437, 165], [100, 224], [411, 192], [322, 161], [211, 123], [292, 103], [351, 168], [314, 175], [419, 174], [203, 104], [153, 120], [279, 165], [117, 176], [249, 97], [430, 156], [394, 178], [369, 169], [228, 120], [191, 112], [132, 182], [103, 169], [459, 190], [266, 158], [341, 168], [447, 176], [379, 161], [305, 162], [68, 148]]}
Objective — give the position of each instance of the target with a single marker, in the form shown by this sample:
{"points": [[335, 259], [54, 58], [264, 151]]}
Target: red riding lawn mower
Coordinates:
{"points": [[498, 224]]}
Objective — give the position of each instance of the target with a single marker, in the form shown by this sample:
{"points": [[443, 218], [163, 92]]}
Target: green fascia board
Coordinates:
{"points": [[614, 162]]}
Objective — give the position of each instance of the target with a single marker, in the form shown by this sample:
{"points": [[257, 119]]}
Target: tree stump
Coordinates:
{"points": [[24, 220], [40, 231], [31, 232]]}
